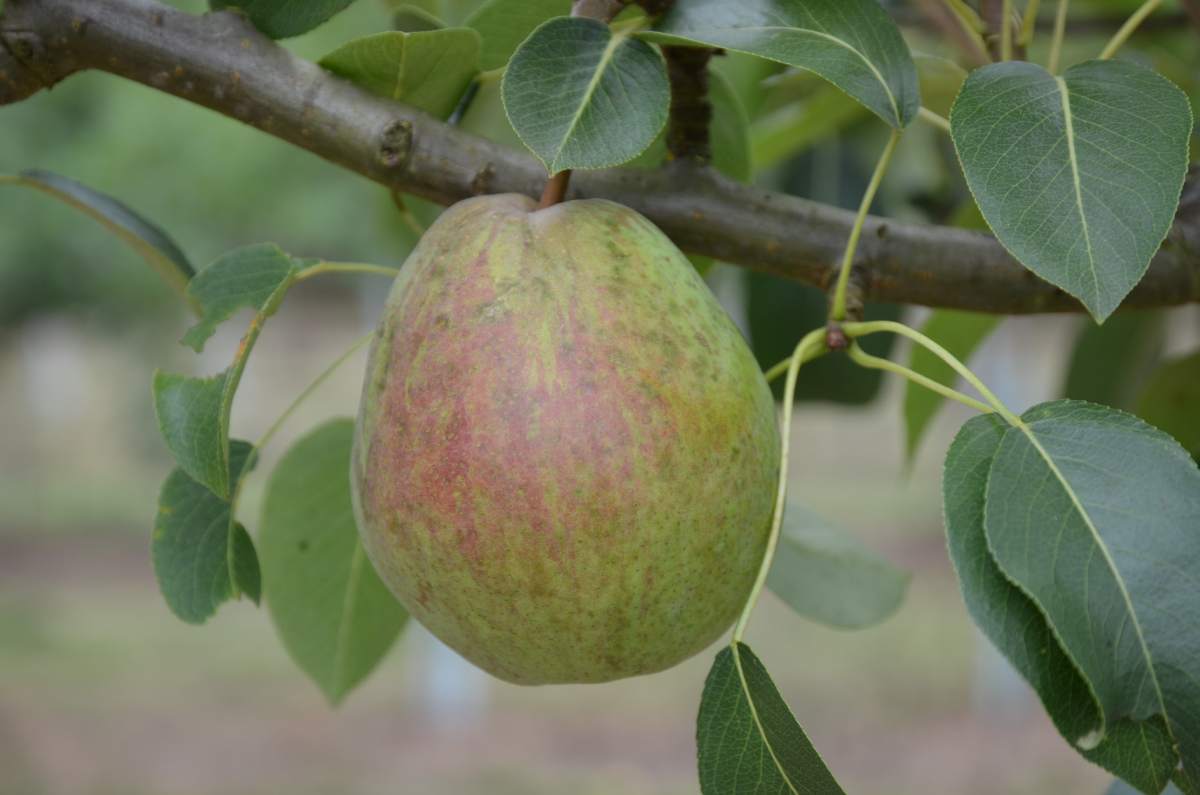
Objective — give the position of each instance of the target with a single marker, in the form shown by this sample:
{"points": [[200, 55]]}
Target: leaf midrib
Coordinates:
{"points": [[606, 57], [1108, 560], [762, 733], [349, 601], [1069, 124], [887, 89]]}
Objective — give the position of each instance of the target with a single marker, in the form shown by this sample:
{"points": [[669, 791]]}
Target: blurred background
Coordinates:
{"points": [[104, 692]]}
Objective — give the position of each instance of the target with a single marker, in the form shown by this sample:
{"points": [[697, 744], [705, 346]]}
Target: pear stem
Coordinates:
{"points": [[604, 11], [555, 190]]}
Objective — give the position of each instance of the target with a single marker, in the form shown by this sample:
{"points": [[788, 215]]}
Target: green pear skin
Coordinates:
{"points": [[566, 456]]}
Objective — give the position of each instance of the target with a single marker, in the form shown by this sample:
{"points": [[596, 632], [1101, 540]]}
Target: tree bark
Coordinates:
{"points": [[219, 61]]}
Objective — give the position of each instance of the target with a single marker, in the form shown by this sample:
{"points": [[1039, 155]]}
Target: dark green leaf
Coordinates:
{"points": [[581, 96], [941, 79], [781, 311], [281, 19], [1139, 752], [958, 332], [1112, 361], [747, 740], [826, 575], [201, 556], [194, 424], [193, 413], [429, 69], [255, 276], [246, 575], [729, 130], [143, 236], [504, 24], [797, 126], [1096, 515], [1171, 401], [851, 43], [335, 616], [1077, 175]]}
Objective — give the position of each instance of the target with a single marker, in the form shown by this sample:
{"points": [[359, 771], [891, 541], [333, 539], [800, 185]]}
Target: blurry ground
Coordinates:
{"points": [[103, 692]]}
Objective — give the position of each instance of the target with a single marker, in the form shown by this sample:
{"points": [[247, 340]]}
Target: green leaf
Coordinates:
{"points": [[780, 311], [1141, 752], [255, 276], [747, 740], [1077, 175], [504, 24], [429, 69], [1171, 401], [145, 237], [201, 556], [941, 79], [1111, 362], [958, 332], [281, 19], [851, 43], [335, 616], [826, 575], [193, 413], [1096, 515], [729, 130], [580, 96], [797, 126]]}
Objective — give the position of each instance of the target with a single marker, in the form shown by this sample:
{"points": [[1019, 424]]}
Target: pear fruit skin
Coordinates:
{"points": [[566, 456]]}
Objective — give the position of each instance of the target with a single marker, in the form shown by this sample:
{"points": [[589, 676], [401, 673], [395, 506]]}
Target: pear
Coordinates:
{"points": [[566, 456]]}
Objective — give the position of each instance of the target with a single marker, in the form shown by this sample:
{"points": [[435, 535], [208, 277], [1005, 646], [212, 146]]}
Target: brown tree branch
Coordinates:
{"points": [[1192, 8], [219, 61], [691, 112]]}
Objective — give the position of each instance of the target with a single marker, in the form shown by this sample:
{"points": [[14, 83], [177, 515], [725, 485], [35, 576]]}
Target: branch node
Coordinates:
{"points": [[835, 337], [481, 183], [395, 143]]}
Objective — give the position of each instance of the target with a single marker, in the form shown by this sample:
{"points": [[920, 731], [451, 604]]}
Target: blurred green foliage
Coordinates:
{"points": [[211, 182]]}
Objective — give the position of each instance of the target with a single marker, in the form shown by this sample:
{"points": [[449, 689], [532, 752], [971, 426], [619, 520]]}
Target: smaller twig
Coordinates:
{"points": [[936, 119], [691, 112], [998, 19], [1029, 22], [957, 29], [864, 359], [1006, 31], [969, 16], [1121, 36], [838, 304], [406, 214], [1060, 27], [1192, 7]]}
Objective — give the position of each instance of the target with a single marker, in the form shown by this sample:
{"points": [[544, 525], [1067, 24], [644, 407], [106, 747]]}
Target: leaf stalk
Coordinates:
{"points": [[809, 348]]}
